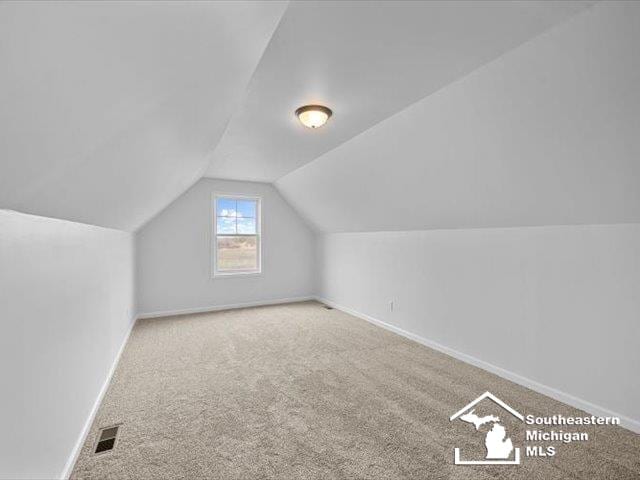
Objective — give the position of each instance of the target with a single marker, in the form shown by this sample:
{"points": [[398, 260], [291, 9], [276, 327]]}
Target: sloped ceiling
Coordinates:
{"points": [[547, 134], [447, 114], [367, 61], [109, 109]]}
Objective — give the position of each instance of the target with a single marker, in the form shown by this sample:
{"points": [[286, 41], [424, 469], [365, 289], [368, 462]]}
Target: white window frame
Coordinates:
{"points": [[214, 236]]}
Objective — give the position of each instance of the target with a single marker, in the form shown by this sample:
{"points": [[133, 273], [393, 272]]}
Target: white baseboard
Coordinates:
{"points": [[68, 468], [627, 422], [215, 308]]}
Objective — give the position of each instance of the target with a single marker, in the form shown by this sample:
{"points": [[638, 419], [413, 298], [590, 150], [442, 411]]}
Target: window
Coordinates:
{"points": [[236, 244]]}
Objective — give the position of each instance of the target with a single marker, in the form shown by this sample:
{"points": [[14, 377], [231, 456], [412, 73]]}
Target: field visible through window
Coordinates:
{"points": [[237, 253]]}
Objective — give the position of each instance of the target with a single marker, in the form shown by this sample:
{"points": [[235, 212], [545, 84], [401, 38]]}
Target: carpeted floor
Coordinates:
{"points": [[300, 392]]}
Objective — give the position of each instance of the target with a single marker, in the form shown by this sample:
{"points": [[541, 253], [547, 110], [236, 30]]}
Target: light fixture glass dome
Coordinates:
{"points": [[313, 116]]}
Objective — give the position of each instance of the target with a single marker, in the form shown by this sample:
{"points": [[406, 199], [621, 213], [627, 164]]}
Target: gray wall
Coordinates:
{"points": [[66, 305], [556, 305], [547, 134], [174, 254]]}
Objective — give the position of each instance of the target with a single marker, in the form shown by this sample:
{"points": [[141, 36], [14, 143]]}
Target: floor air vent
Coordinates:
{"points": [[107, 439]]}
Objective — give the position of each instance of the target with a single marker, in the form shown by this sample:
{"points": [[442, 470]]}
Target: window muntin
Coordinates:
{"points": [[237, 245]]}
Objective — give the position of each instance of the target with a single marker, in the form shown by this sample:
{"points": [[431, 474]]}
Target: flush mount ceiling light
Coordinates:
{"points": [[313, 116]]}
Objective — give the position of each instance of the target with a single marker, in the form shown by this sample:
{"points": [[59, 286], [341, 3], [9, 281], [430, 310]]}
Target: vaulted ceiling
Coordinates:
{"points": [[447, 114], [547, 134], [366, 61], [108, 110]]}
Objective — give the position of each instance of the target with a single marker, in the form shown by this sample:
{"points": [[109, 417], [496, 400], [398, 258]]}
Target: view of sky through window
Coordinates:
{"points": [[236, 217]]}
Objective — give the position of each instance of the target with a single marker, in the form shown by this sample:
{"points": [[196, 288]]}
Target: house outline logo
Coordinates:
{"points": [[479, 421]]}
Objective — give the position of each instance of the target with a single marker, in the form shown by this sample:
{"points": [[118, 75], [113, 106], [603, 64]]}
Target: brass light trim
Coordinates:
{"points": [[313, 116]]}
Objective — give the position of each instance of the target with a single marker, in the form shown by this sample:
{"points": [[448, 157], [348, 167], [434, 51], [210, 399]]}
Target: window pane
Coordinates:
{"points": [[226, 207], [247, 226], [246, 208], [237, 253], [226, 225]]}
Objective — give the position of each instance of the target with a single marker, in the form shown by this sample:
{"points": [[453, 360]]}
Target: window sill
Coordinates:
{"points": [[217, 276]]}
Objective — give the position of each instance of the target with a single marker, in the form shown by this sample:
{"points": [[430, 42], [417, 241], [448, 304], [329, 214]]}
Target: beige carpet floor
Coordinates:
{"points": [[300, 392]]}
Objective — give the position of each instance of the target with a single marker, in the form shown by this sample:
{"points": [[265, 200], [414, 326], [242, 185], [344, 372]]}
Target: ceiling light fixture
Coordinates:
{"points": [[313, 116]]}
